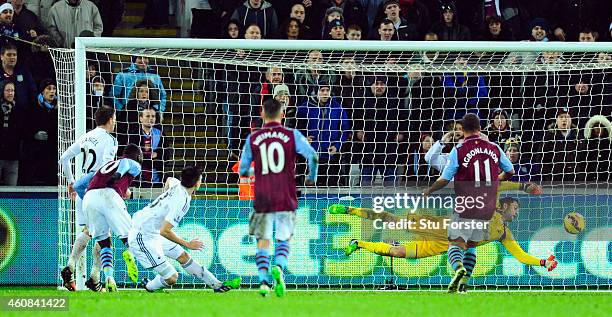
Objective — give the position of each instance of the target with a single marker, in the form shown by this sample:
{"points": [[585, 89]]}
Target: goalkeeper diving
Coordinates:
{"points": [[431, 242]]}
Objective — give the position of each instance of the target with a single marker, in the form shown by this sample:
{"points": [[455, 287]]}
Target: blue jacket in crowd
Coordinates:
{"points": [[328, 125], [125, 81]]}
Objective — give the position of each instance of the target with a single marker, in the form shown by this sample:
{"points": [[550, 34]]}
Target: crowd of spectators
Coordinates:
{"points": [[553, 124]]}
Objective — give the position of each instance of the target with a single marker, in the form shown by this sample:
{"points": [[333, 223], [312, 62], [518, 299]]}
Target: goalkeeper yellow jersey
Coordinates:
{"points": [[430, 242]]}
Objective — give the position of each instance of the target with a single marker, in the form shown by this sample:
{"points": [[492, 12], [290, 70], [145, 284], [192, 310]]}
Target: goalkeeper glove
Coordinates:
{"points": [[531, 188], [550, 263]]}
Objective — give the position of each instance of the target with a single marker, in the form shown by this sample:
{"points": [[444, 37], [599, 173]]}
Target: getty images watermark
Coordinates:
{"points": [[413, 203]]}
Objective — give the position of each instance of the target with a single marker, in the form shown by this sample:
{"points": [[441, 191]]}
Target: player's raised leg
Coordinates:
{"points": [[195, 269]]}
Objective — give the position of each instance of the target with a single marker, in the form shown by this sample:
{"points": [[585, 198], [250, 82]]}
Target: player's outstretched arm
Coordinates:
{"points": [[449, 173], [166, 232], [304, 148], [515, 249]]}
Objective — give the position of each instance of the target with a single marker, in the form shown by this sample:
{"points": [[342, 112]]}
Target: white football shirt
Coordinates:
{"points": [[171, 206], [97, 146]]}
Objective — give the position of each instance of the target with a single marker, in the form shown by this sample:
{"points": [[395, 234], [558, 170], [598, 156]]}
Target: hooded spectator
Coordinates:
{"points": [[259, 12], [596, 150], [448, 28], [126, 79]]}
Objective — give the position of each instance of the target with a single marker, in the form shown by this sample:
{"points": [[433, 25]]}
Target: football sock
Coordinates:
{"points": [[455, 257], [262, 257], [106, 257], [379, 248], [195, 269], [157, 283], [281, 254], [97, 264], [469, 261], [80, 244]]}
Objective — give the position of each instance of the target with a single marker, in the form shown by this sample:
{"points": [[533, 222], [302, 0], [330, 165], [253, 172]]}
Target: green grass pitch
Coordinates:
{"points": [[322, 303]]}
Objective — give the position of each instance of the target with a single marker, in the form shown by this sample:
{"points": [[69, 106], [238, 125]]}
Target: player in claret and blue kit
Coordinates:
{"points": [[274, 149], [98, 147], [474, 165], [105, 207]]}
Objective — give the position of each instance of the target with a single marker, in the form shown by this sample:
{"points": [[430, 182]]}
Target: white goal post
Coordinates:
{"points": [[423, 88]]}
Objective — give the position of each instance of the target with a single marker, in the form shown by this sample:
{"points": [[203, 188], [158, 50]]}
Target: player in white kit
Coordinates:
{"points": [[151, 238], [98, 147]]}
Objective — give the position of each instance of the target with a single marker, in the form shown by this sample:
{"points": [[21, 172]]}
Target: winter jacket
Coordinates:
{"points": [[596, 152], [560, 154], [463, 92], [124, 83], [308, 84], [13, 133], [264, 17], [42, 9], [327, 124], [67, 22], [27, 20], [407, 32], [525, 171]]}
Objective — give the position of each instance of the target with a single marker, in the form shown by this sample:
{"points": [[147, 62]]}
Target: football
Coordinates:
{"points": [[573, 223]]}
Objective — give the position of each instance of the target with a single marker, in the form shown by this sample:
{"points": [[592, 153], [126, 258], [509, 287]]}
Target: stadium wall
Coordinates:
{"points": [[29, 251]]}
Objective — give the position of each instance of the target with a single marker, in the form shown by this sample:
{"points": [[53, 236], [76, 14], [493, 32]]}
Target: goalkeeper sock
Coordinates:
{"points": [[106, 256], [359, 212], [195, 269], [469, 261], [379, 248], [281, 254], [455, 257], [262, 257], [156, 283], [80, 244], [97, 264]]}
